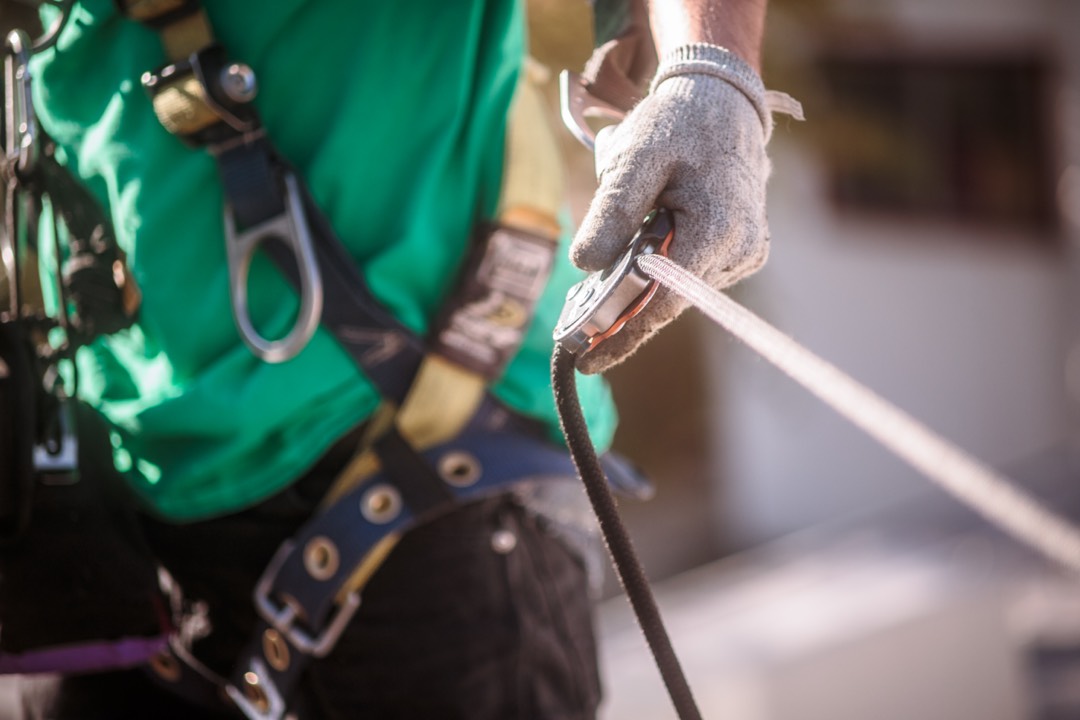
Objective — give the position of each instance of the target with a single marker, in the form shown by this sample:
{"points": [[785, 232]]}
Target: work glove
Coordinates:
{"points": [[696, 146]]}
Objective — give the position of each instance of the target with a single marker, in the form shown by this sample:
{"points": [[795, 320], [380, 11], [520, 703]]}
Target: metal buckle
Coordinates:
{"points": [[291, 228], [283, 617]]}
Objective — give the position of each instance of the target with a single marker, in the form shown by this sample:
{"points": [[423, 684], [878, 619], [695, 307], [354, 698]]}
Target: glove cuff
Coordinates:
{"points": [[706, 59]]}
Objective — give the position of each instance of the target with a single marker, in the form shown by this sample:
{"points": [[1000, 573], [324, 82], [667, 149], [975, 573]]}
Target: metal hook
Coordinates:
{"points": [[578, 104]]}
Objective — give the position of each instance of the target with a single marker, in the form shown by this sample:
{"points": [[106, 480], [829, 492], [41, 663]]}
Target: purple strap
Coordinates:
{"points": [[86, 657]]}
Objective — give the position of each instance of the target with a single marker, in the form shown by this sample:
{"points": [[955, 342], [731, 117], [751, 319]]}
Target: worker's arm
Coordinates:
{"points": [[694, 145], [737, 25]]}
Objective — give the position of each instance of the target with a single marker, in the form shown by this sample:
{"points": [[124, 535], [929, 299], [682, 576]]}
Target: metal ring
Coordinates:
{"points": [[381, 504], [459, 469], [276, 650], [254, 692], [166, 666], [321, 558]]}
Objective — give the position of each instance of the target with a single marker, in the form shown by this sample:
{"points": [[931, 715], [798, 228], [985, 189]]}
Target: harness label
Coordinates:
{"points": [[486, 317]]}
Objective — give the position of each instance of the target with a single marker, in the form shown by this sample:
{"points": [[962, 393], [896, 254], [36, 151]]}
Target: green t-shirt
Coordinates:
{"points": [[394, 114]]}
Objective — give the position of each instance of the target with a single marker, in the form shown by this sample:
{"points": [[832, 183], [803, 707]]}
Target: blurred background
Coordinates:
{"points": [[925, 221]]}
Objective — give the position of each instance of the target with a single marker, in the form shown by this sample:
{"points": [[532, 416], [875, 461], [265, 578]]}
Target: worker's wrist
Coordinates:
{"points": [[719, 62]]}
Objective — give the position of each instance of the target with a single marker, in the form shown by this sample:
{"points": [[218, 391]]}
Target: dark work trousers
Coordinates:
{"points": [[479, 613]]}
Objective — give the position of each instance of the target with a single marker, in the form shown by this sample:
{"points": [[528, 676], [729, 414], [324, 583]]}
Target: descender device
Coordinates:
{"points": [[600, 305]]}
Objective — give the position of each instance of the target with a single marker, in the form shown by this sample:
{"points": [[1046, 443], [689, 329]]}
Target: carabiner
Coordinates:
{"points": [[291, 227], [577, 105], [20, 123]]}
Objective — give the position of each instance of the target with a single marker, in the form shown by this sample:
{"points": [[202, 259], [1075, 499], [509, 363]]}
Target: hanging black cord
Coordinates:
{"points": [[629, 569]]}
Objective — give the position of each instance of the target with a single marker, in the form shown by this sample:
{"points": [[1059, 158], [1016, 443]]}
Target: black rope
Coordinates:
{"points": [[621, 548]]}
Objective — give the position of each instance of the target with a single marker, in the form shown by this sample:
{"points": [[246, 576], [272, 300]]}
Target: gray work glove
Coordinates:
{"points": [[694, 145]]}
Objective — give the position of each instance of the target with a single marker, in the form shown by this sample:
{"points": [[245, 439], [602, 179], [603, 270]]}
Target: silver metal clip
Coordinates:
{"points": [[577, 105], [20, 123], [290, 227]]}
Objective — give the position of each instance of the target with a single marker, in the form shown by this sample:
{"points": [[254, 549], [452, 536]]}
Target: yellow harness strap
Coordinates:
{"points": [[444, 395]]}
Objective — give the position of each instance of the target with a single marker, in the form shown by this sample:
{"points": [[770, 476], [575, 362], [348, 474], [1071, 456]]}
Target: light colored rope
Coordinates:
{"points": [[973, 483]]}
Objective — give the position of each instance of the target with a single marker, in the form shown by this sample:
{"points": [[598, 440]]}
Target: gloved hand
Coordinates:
{"points": [[694, 145]]}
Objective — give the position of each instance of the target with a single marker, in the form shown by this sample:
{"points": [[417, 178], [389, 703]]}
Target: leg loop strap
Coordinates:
{"points": [[312, 588]]}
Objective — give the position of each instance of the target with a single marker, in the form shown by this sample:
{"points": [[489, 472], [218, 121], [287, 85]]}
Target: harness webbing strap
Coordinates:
{"points": [[157, 13], [485, 319], [443, 398], [186, 35], [532, 184], [304, 598]]}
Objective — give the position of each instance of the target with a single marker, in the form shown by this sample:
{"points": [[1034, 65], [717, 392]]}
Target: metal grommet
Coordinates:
{"points": [[503, 541], [459, 469], [166, 666], [276, 650], [321, 558], [381, 504], [254, 692]]}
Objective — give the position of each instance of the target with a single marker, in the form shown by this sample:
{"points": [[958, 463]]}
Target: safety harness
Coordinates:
{"points": [[439, 437]]}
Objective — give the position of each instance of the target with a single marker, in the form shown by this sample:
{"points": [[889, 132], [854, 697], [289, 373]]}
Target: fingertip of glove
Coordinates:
{"points": [[603, 234], [585, 255]]}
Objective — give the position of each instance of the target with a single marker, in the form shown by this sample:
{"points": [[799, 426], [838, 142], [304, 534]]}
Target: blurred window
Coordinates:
{"points": [[960, 139]]}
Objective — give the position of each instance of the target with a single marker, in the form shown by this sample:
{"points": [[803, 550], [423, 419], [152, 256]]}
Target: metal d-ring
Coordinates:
{"points": [[291, 228]]}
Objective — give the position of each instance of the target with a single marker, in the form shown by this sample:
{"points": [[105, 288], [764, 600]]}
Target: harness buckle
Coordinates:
{"points": [[283, 617]]}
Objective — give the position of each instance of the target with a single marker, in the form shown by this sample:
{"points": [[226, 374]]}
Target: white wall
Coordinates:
{"points": [[966, 328]]}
